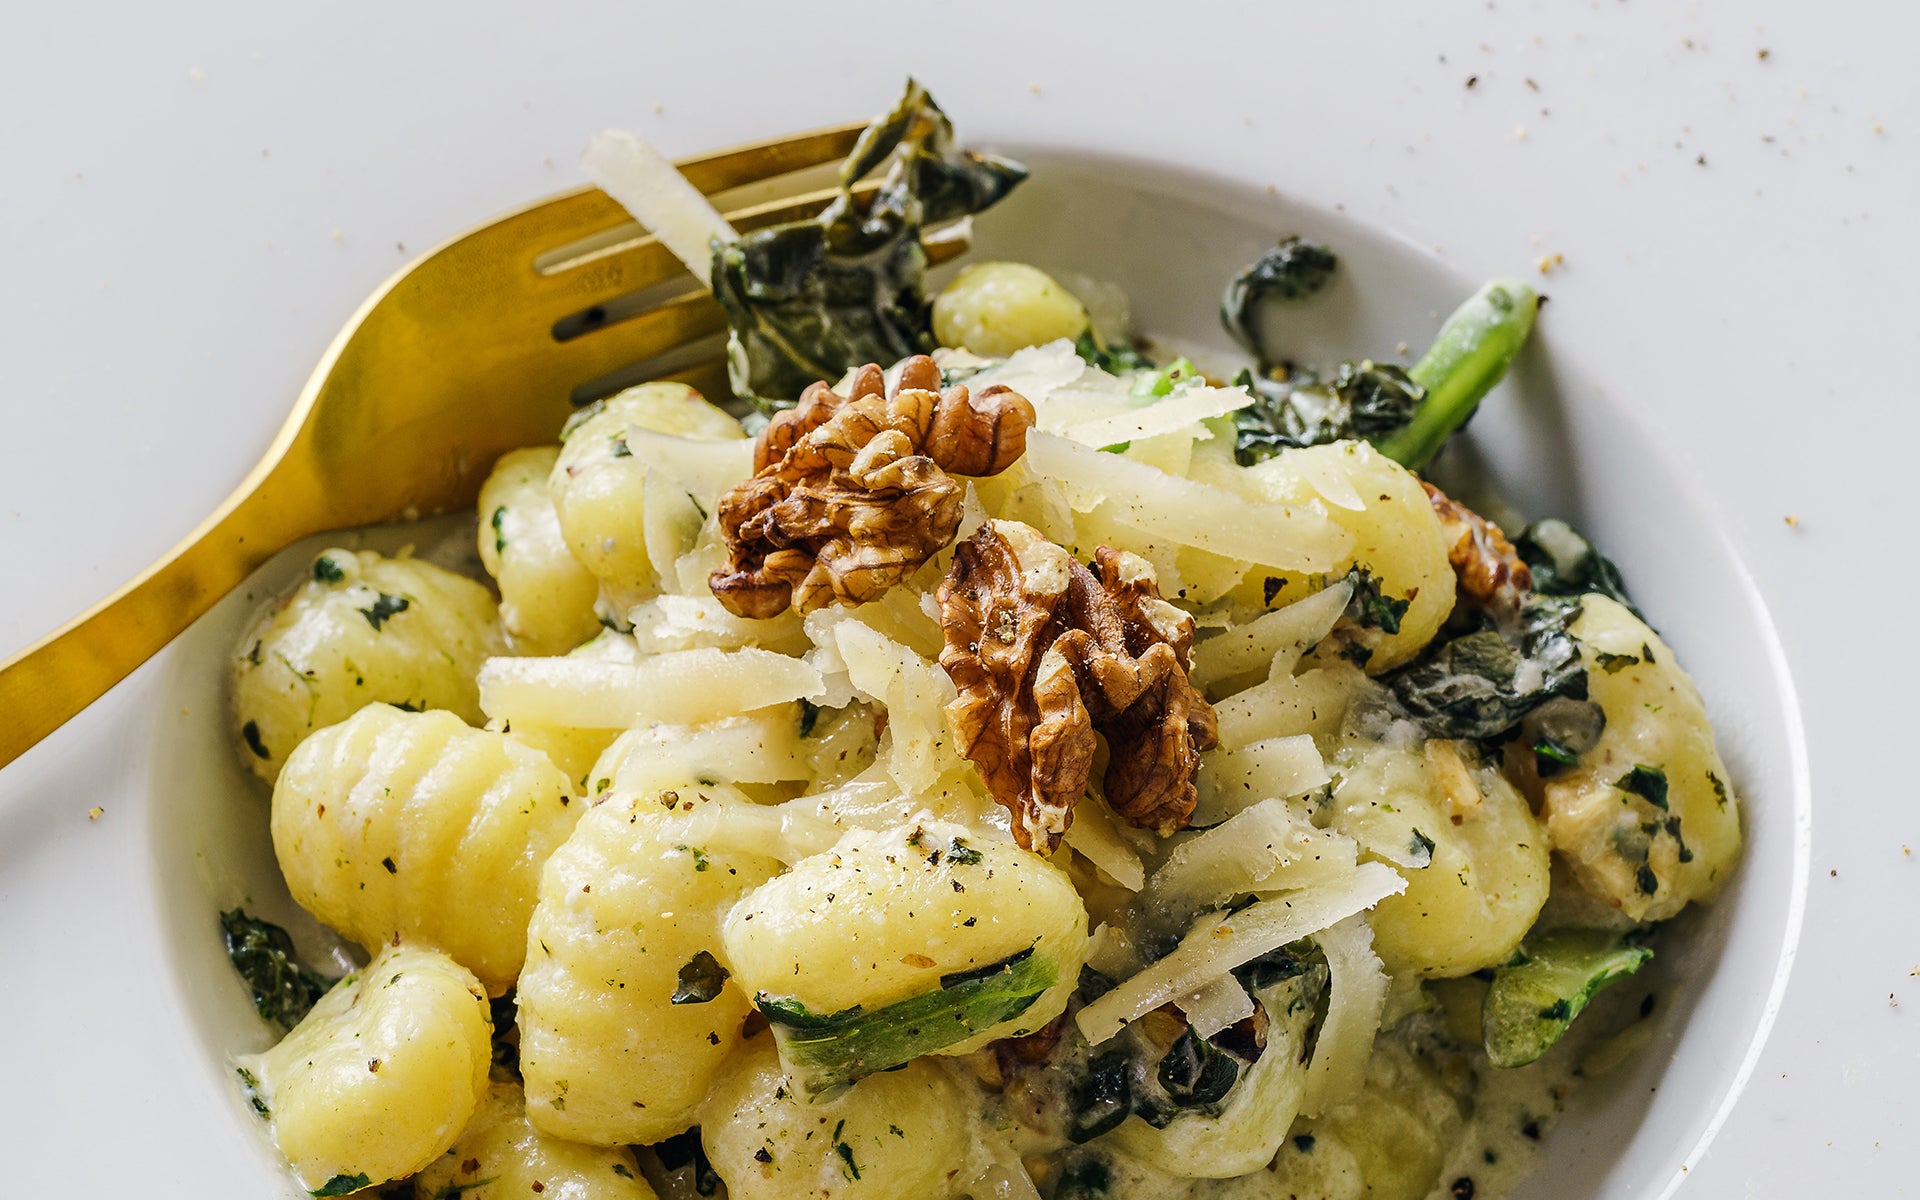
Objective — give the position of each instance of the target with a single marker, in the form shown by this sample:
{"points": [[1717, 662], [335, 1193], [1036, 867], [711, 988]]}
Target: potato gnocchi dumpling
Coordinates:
{"points": [[599, 485], [1648, 818], [1396, 537], [546, 596], [1474, 856], [898, 1135], [400, 826], [360, 629], [501, 1156], [996, 308], [886, 914], [380, 1078], [628, 917]]}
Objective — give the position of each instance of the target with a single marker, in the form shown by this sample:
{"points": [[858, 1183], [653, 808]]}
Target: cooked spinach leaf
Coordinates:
{"points": [[1114, 360], [283, 988], [383, 607], [1197, 1074], [1648, 783], [343, 1185], [1365, 400], [683, 1155], [1294, 269], [1100, 1096], [1372, 608], [1481, 684], [1564, 563], [1534, 998], [808, 300], [826, 1052]]}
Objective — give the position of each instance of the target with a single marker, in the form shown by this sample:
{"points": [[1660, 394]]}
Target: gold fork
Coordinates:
{"points": [[480, 346]]}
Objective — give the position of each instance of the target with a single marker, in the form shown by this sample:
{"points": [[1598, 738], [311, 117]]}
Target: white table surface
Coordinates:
{"points": [[194, 196]]}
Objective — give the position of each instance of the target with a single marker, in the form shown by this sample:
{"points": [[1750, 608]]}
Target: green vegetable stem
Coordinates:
{"points": [[1466, 360]]}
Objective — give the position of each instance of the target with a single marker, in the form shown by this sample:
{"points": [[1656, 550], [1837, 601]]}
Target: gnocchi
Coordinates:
{"points": [[996, 308], [546, 596], [380, 1078], [501, 1155], [360, 629], [396, 826]]}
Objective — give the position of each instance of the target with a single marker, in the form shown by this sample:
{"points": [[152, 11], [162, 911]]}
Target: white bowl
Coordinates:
{"points": [[1543, 439]]}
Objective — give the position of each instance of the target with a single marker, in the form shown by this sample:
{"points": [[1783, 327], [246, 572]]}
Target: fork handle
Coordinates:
{"points": [[49, 682]]}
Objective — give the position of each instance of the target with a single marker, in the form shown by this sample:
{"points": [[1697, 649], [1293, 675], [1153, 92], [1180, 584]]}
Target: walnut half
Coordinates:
{"points": [[1491, 573], [1044, 653], [851, 494]]}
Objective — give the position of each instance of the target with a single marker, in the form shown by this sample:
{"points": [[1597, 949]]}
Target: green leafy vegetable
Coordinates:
{"points": [[699, 980], [809, 717], [283, 988], [499, 532], [1100, 1097], [1365, 400], [1371, 607], [1553, 977], [1161, 381], [1564, 563], [383, 607], [1114, 360], [808, 300], [1481, 684], [1468, 357], [343, 1185], [1197, 1074], [1293, 270], [325, 570], [827, 1052]]}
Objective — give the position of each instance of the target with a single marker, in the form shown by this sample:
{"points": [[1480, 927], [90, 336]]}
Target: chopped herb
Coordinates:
{"points": [[700, 862], [384, 606], [251, 1084], [962, 854], [1371, 607], [1719, 789], [325, 570], [1648, 783], [700, 980], [262, 952], [1549, 756], [343, 1185], [1613, 664], [1646, 880], [1303, 1142], [620, 447], [848, 1167], [499, 534], [251, 732], [1684, 852], [1421, 847], [809, 717]]}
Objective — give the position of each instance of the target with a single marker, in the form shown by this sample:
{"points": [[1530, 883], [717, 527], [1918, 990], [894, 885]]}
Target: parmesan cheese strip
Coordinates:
{"points": [[1188, 513], [1216, 947], [659, 197], [1176, 412], [686, 687], [1357, 995]]}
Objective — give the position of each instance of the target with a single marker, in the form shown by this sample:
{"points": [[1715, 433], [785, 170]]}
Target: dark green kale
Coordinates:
{"points": [[1564, 563], [699, 980], [827, 1051], [1372, 608], [1100, 1097], [1549, 982], [342, 1185], [1114, 360], [1481, 684], [808, 300], [1293, 270], [283, 988], [1366, 400], [1197, 1074]]}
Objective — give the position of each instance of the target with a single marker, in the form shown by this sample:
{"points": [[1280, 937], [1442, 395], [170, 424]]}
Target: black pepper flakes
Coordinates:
{"points": [[387, 862], [1461, 1188], [762, 1155]]}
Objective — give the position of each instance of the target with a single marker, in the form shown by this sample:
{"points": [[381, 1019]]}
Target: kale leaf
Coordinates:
{"points": [[283, 988], [343, 1185], [1480, 684], [1293, 270], [1365, 400], [699, 980], [1565, 563], [808, 300], [1114, 360], [1549, 982]]}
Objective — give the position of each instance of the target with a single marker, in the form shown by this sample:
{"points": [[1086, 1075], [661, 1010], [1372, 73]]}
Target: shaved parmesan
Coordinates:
{"points": [[687, 687], [1312, 702], [1188, 513], [651, 188], [1267, 848], [705, 469], [671, 622], [1184, 407], [1092, 835], [779, 831], [1230, 781], [1216, 1006], [1356, 997], [1220, 944], [1272, 643], [753, 748]]}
